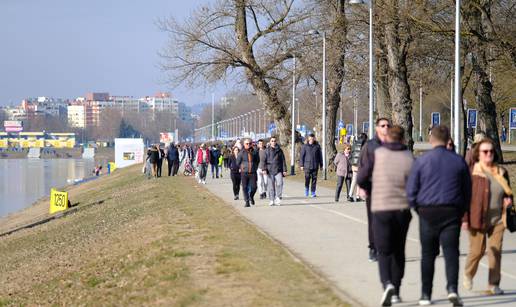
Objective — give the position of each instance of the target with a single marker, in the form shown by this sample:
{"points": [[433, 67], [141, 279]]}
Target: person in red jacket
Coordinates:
{"points": [[203, 158]]}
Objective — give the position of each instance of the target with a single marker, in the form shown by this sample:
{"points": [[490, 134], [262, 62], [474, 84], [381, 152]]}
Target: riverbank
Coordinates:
{"points": [[101, 154], [168, 241]]}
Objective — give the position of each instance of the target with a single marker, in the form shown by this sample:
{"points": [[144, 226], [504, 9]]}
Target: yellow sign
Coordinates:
{"points": [[342, 131], [112, 166], [58, 201]]}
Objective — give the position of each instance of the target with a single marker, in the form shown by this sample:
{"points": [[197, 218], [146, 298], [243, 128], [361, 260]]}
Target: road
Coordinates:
{"points": [[332, 239]]}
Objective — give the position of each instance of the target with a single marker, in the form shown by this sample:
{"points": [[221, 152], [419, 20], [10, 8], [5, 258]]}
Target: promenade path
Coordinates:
{"points": [[332, 239]]}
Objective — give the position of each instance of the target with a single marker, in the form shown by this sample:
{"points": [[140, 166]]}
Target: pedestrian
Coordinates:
{"points": [[177, 162], [234, 170], [226, 154], [262, 177], [367, 157], [389, 171], [490, 196], [469, 153], [214, 161], [203, 158], [148, 164], [310, 161], [248, 161], [161, 157], [439, 188], [172, 159], [355, 158], [344, 173], [220, 164], [450, 145], [154, 156], [274, 166]]}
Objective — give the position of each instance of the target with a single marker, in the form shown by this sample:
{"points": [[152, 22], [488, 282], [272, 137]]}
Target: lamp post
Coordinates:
{"points": [[324, 103], [456, 118], [371, 91], [293, 131], [213, 117]]}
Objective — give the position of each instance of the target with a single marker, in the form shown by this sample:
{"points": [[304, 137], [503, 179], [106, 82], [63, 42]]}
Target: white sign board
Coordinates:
{"points": [[128, 152]]}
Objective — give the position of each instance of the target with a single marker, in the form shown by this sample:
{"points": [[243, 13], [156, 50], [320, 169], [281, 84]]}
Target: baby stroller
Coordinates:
{"points": [[189, 170]]}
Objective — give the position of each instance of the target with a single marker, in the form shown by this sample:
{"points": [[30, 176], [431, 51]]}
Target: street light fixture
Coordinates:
{"points": [[371, 91]]}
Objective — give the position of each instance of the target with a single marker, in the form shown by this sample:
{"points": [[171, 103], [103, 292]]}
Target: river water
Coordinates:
{"points": [[24, 181]]}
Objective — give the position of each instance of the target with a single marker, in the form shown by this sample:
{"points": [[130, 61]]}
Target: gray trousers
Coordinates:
{"points": [[262, 182], [275, 186]]}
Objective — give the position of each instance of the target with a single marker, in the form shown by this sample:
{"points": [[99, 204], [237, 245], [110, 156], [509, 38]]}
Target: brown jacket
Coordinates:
{"points": [[479, 206]]}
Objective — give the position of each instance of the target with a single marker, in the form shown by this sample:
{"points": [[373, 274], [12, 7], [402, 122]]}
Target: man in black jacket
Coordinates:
{"points": [[367, 158], [275, 166], [310, 161], [172, 158], [161, 157], [248, 161]]}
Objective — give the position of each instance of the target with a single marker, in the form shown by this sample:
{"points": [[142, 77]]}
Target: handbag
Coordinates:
{"points": [[510, 218]]}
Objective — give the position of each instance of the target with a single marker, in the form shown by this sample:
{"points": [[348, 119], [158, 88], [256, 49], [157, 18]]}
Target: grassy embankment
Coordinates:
{"points": [[152, 242]]}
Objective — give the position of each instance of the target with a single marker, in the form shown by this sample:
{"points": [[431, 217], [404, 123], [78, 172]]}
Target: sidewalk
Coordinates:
{"points": [[332, 238]]}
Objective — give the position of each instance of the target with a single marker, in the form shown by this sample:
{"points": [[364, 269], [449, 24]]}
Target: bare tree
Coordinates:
{"points": [[250, 36]]}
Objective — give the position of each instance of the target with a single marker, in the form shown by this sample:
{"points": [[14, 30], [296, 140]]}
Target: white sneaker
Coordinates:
{"points": [[395, 299], [495, 290], [277, 201], [425, 302], [454, 298], [387, 295], [200, 181], [204, 182], [467, 283], [271, 203]]}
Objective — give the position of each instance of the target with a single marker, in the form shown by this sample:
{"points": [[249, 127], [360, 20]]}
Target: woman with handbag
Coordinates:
{"points": [[490, 196]]}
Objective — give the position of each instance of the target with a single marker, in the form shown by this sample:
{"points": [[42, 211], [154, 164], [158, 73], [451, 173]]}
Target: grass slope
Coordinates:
{"points": [[152, 242]]}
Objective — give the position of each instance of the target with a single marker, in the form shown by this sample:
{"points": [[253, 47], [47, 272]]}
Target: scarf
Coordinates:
{"points": [[497, 175]]}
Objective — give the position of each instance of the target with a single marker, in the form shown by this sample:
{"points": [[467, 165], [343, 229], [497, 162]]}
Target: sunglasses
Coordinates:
{"points": [[385, 125], [487, 151], [273, 141]]}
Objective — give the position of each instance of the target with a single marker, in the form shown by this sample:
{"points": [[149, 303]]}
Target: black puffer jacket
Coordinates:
{"points": [[274, 161], [311, 156]]}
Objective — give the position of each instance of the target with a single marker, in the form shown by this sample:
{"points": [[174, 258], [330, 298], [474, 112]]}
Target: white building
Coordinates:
{"points": [[77, 115]]}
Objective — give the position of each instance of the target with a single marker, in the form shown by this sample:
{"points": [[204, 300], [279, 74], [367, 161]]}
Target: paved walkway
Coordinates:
{"points": [[332, 238]]}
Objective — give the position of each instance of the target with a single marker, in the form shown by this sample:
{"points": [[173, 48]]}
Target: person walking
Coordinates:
{"points": [[390, 209], [367, 157], [262, 177], [220, 165], [310, 161], [154, 156], [161, 157], [214, 161], [203, 158], [226, 153], [490, 196], [248, 161], [234, 170], [172, 159], [344, 172], [439, 188], [274, 167], [355, 158]]}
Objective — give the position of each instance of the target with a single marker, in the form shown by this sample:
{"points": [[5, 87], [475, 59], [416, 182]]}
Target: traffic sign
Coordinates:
{"points": [[472, 118], [436, 119], [349, 128], [512, 118]]}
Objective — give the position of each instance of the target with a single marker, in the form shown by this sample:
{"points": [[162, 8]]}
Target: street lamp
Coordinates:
{"points": [[293, 130], [370, 132], [456, 118], [324, 103]]}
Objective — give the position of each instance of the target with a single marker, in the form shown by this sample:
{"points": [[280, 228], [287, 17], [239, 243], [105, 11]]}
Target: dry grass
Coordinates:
{"points": [[152, 242]]}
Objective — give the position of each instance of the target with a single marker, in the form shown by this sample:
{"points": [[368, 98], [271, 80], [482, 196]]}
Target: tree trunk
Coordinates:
{"points": [[482, 86], [256, 76], [399, 88], [383, 99], [336, 52]]}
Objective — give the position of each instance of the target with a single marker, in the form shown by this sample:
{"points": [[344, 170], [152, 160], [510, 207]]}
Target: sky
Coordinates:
{"points": [[67, 48]]}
